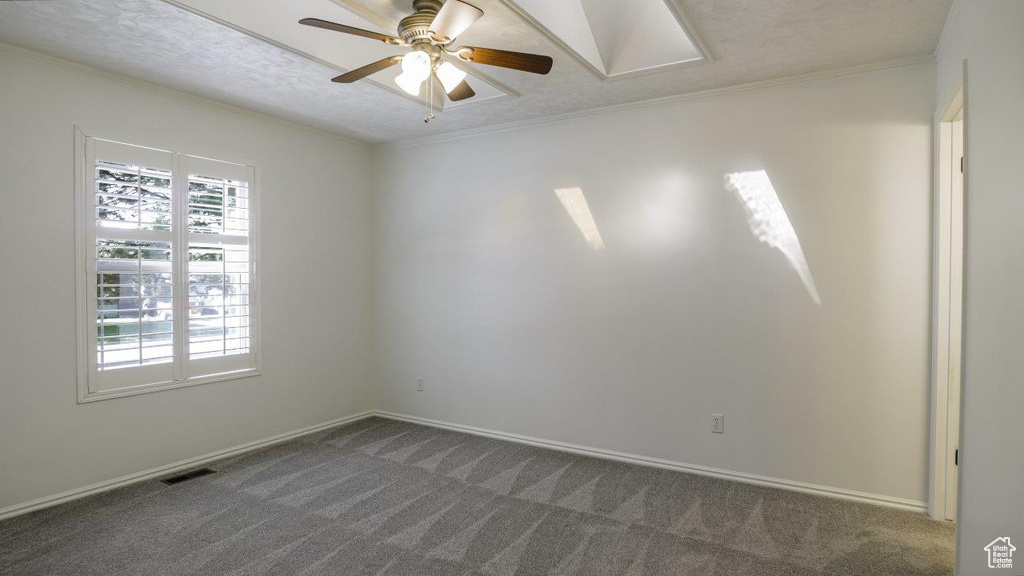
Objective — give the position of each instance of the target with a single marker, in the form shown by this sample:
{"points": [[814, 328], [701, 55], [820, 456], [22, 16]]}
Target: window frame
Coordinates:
{"points": [[88, 385]]}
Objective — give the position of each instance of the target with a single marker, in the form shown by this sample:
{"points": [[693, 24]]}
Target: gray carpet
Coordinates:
{"points": [[380, 497]]}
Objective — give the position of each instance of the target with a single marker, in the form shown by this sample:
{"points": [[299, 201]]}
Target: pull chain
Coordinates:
{"points": [[430, 100]]}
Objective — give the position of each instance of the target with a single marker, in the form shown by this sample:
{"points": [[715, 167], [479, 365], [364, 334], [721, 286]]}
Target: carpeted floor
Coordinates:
{"points": [[380, 497]]}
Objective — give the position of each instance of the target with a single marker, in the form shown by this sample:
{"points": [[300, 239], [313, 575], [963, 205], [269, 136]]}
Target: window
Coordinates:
{"points": [[167, 288]]}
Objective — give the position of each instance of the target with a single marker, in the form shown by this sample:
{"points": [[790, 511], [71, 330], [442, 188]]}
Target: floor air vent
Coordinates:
{"points": [[188, 476]]}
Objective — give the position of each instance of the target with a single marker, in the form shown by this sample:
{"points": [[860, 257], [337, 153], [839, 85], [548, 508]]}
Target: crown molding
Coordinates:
{"points": [[757, 86], [761, 85], [201, 100]]}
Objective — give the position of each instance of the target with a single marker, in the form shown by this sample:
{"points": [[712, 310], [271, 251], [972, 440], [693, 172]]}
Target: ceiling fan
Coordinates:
{"points": [[430, 32]]}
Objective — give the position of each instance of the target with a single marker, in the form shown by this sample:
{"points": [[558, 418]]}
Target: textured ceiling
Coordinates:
{"points": [[277, 22], [750, 40]]}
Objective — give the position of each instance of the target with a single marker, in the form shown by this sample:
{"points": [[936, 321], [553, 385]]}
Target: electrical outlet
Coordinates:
{"points": [[419, 384], [718, 423]]}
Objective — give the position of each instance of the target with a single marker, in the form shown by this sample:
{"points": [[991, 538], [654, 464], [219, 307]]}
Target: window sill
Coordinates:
{"points": [[161, 386]]}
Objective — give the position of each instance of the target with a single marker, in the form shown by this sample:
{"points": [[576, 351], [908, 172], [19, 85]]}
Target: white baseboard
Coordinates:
{"points": [[179, 466], [828, 491]]}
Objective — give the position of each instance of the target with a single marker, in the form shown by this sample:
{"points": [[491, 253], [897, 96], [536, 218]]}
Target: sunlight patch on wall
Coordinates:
{"points": [[575, 204], [769, 222]]}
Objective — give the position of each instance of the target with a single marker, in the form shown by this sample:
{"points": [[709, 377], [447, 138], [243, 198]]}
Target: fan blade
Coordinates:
{"points": [[453, 19], [461, 92], [318, 23], [515, 60], [360, 73]]}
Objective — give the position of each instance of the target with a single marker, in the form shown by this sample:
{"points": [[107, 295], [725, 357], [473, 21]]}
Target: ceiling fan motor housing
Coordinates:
{"points": [[415, 28]]}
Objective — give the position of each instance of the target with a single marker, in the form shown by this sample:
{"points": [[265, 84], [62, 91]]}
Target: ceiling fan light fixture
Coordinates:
{"points": [[429, 33], [410, 84], [417, 65], [450, 76]]}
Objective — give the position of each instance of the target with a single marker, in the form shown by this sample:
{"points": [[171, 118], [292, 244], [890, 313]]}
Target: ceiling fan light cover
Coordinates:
{"points": [[409, 83], [416, 65], [450, 76]]}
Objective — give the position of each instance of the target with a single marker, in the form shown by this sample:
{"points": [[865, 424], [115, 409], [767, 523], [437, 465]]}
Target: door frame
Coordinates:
{"points": [[947, 307]]}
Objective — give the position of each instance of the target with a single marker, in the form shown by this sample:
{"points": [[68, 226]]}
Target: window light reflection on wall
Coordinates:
{"points": [[575, 204], [769, 222]]}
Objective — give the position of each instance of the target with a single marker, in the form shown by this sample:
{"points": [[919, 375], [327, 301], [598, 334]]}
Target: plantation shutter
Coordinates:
{"points": [[131, 241], [167, 289], [220, 267]]}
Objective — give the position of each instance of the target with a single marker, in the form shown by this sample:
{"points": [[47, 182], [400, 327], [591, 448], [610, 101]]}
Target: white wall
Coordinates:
{"points": [[486, 288], [316, 206], [988, 35]]}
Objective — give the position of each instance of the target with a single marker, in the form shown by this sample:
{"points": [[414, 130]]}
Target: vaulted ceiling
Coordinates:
{"points": [[254, 54]]}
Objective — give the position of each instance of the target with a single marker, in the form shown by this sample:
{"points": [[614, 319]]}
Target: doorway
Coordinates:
{"points": [[948, 304]]}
